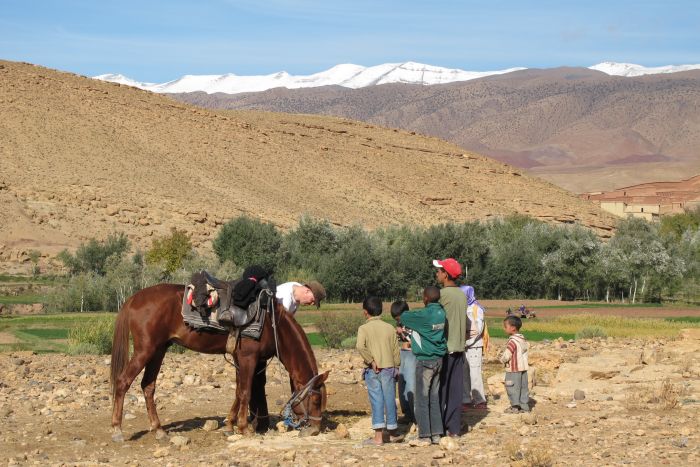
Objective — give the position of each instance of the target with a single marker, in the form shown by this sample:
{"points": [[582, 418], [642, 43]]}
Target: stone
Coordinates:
{"points": [[129, 416], [180, 440], [161, 452], [210, 425], [281, 427], [648, 356], [571, 405], [17, 361], [289, 456], [639, 432], [579, 395], [188, 380], [524, 430], [342, 432], [569, 424], [448, 443]]}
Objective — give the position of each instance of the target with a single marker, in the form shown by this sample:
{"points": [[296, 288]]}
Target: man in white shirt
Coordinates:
{"points": [[293, 294]]}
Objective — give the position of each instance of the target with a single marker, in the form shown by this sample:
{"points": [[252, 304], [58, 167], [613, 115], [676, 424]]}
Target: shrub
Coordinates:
{"points": [[92, 336], [349, 343], [590, 332], [335, 328]]}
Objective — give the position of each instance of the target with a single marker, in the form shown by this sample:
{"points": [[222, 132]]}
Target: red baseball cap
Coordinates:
{"points": [[450, 265]]}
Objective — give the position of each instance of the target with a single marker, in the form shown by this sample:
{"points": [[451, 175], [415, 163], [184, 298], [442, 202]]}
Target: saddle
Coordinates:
{"points": [[238, 306]]}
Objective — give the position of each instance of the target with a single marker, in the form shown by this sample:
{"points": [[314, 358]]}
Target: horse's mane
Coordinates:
{"points": [[292, 339]]}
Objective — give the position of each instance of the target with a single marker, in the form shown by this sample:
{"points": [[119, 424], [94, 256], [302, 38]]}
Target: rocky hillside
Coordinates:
{"points": [[82, 158], [579, 128]]}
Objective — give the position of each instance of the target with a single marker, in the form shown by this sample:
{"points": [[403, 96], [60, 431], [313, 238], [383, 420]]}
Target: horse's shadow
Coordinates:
{"points": [[180, 426]]}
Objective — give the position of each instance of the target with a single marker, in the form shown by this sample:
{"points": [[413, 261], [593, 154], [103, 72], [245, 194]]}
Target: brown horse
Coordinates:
{"points": [[153, 317]]}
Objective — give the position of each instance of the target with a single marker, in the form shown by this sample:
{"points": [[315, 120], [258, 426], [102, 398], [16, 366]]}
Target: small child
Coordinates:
{"points": [[515, 359], [379, 347], [429, 345], [407, 370]]}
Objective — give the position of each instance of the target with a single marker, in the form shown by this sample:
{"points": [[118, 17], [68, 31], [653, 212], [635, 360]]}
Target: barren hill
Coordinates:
{"points": [[81, 158], [579, 128]]}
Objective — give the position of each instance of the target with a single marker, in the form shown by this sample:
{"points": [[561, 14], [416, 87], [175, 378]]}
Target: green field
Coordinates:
{"points": [[44, 333], [50, 332]]}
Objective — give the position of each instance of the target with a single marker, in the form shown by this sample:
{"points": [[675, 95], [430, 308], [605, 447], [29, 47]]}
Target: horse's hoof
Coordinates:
{"points": [[118, 437], [161, 434]]}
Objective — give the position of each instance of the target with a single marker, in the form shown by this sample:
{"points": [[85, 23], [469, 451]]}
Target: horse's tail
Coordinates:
{"points": [[120, 346]]}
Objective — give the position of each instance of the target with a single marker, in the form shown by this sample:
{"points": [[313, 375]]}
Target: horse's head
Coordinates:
{"points": [[315, 405]]}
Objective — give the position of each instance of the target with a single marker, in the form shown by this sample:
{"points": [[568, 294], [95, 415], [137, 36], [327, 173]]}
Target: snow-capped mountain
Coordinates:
{"points": [[630, 69], [355, 76], [346, 75]]}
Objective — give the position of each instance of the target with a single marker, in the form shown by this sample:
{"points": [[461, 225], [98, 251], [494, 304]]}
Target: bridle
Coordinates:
{"points": [[288, 415]]}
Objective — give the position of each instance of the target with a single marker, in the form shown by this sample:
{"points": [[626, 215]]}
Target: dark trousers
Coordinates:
{"points": [[451, 389], [428, 413]]}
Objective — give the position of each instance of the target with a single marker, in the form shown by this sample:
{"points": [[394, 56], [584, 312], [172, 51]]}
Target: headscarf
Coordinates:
{"points": [[471, 297]]}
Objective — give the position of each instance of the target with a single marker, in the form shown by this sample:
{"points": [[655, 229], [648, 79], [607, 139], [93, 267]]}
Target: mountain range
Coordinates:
{"points": [[580, 128], [355, 76]]}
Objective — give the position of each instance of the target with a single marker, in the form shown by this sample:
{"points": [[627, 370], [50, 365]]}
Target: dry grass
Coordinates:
{"points": [[512, 450], [665, 395], [538, 455]]}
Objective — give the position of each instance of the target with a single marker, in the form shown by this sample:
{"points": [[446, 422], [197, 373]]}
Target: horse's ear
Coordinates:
{"points": [[324, 376]]}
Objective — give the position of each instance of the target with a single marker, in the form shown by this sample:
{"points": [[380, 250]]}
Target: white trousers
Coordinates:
{"points": [[473, 381]]}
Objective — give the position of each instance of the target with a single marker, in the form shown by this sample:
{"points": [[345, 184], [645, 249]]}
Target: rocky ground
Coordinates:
{"points": [[596, 402]]}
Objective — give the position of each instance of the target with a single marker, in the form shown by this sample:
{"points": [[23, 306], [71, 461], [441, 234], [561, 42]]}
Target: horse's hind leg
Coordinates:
{"points": [[148, 385], [132, 370]]}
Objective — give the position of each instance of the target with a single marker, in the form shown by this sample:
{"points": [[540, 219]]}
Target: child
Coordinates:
{"points": [[429, 345], [379, 347], [407, 370], [515, 359], [476, 331]]}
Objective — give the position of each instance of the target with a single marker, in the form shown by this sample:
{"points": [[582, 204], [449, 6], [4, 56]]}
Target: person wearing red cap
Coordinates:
{"points": [[454, 302]]}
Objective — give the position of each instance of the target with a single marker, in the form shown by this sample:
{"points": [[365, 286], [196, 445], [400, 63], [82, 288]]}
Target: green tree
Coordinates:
{"points": [[247, 241], [568, 267], [92, 256], [305, 247], [170, 251]]}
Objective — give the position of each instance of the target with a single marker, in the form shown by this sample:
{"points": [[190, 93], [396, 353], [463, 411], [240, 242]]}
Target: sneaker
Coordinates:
{"points": [[420, 442], [435, 439]]}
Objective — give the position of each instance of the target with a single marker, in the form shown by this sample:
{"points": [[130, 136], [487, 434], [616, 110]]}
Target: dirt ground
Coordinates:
{"points": [[640, 406]]}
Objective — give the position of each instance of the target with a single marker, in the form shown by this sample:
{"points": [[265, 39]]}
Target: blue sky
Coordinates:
{"points": [[165, 39]]}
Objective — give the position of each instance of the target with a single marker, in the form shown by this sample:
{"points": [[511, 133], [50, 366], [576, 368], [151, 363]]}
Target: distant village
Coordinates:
{"points": [[650, 201]]}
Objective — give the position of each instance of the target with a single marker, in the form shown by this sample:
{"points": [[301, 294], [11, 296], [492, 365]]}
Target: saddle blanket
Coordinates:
{"points": [[193, 319]]}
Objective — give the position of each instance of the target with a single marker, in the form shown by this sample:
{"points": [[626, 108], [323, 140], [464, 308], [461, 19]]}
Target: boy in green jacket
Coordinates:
{"points": [[428, 343]]}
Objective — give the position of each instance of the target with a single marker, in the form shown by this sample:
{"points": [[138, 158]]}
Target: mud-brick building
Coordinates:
{"points": [[650, 200]]}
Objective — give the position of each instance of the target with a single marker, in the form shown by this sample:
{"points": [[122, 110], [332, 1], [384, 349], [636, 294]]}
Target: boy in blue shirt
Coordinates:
{"points": [[429, 346]]}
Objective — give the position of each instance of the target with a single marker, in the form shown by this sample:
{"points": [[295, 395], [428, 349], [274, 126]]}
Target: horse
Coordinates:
{"points": [[153, 318]]}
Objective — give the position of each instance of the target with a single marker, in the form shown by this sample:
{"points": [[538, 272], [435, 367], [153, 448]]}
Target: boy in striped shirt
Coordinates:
{"points": [[515, 359]]}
